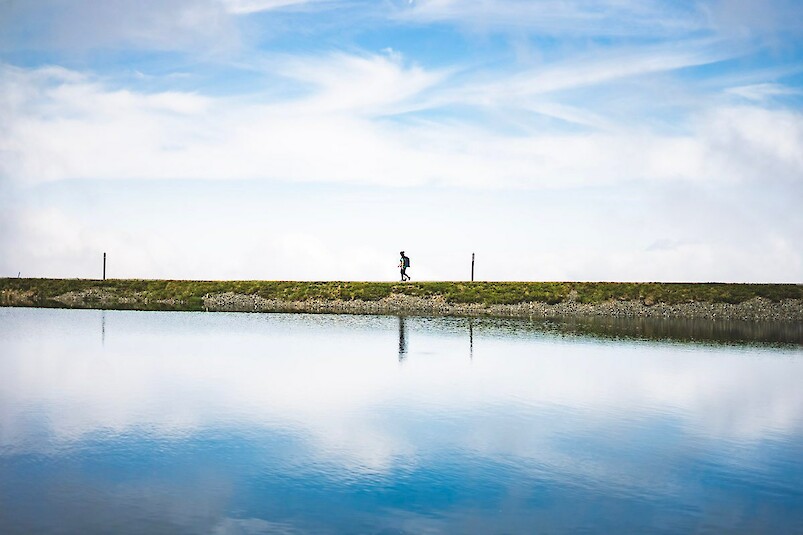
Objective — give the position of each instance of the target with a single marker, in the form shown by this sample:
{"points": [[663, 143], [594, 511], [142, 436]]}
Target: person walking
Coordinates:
{"points": [[404, 263]]}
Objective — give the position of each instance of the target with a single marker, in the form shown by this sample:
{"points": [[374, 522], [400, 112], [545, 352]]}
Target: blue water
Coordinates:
{"points": [[166, 422]]}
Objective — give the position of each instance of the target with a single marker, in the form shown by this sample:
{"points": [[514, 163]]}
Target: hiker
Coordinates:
{"points": [[404, 263]]}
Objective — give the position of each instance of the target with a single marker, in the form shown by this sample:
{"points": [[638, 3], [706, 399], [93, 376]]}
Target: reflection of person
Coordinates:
{"points": [[402, 340], [404, 263]]}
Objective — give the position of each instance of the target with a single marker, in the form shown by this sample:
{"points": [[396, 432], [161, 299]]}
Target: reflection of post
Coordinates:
{"points": [[103, 327], [402, 340], [471, 339]]}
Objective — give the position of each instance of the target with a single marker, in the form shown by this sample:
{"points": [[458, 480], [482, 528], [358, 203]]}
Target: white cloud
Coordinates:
{"points": [[60, 125], [344, 130], [243, 7], [361, 85], [624, 117], [752, 143]]}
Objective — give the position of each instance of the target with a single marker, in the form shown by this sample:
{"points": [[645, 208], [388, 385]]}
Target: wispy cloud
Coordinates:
{"points": [[763, 92], [526, 87], [379, 84], [65, 125], [242, 7], [648, 19]]}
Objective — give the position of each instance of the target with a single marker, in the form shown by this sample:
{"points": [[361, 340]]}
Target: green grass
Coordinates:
{"points": [[191, 293]]}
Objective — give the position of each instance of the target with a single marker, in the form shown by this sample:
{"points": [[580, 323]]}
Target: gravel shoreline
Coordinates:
{"points": [[756, 309]]}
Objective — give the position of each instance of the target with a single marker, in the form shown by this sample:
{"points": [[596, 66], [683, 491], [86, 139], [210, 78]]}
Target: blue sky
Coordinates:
{"points": [[282, 139]]}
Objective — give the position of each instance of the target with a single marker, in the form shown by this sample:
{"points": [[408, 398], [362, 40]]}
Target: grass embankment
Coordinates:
{"points": [[190, 294]]}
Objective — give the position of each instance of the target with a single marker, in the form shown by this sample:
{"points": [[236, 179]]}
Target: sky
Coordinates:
{"points": [[616, 140]]}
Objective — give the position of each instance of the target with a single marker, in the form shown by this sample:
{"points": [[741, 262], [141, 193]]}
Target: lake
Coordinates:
{"points": [[231, 423]]}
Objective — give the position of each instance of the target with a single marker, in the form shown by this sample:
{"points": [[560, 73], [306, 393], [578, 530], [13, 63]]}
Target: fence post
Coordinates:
{"points": [[472, 267]]}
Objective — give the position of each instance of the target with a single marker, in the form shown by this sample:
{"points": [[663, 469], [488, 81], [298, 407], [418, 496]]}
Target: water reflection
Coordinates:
{"points": [[304, 423], [471, 339], [402, 340], [686, 330]]}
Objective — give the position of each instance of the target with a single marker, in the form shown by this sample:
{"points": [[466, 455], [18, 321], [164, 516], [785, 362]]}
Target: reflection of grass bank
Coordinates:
{"points": [[682, 329], [190, 294]]}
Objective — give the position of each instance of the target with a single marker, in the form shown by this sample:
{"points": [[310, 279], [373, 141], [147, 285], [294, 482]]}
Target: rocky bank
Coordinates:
{"points": [[757, 309]]}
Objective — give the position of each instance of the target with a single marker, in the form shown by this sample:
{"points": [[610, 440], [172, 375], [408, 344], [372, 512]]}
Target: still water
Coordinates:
{"points": [[168, 422]]}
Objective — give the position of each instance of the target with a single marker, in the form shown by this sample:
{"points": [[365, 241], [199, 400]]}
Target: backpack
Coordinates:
{"points": [[406, 261]]}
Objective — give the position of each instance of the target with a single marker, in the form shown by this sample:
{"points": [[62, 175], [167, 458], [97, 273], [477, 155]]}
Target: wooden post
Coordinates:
{"points": [[104, 266], [472, 267]]}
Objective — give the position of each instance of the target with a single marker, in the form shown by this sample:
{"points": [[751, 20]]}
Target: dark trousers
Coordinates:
{"points": [[404, 274]]}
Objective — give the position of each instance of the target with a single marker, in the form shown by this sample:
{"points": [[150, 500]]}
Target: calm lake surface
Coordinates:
{"points": [[179, 422]]}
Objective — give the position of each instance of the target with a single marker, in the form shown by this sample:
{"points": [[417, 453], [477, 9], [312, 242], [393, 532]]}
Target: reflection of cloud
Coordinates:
{"points": [[253, 526], [174, 374]]}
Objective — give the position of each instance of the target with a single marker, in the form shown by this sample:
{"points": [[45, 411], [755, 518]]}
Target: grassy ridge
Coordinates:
{"points": [[489, 293]]}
